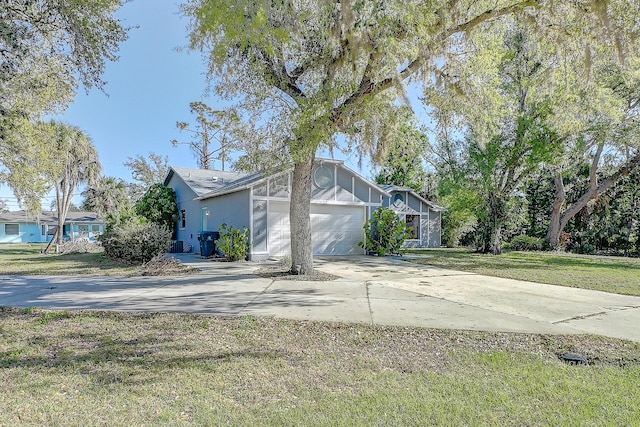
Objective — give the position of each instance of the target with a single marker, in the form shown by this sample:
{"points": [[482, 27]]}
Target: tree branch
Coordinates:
{"points": [[368, 87], [284, 81], [598, 190], [593, 173], [489, 15]]}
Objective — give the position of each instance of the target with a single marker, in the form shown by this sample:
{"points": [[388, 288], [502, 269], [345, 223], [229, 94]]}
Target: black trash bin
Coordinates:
{"points": [[207, 242]]}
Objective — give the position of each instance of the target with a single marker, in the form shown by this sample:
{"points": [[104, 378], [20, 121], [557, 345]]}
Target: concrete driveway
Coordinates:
{"points": [[372, 290]]}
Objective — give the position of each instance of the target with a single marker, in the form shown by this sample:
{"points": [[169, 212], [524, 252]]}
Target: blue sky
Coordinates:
{"points": [[148, 89]]}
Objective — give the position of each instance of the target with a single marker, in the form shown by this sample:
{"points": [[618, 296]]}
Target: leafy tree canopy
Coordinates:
{"points": [[207, 131], [48, 47], [158, 205], [107, 195], [42, 156], [401, 160], [146, 172]]}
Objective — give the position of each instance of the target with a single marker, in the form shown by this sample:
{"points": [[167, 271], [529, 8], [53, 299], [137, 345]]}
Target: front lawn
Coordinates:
{"points": [[609, 274], [26, 259], [96, 368]]}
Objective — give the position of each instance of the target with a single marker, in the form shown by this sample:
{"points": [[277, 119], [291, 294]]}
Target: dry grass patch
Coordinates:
{"points": [[27, 259], [88, 368]]}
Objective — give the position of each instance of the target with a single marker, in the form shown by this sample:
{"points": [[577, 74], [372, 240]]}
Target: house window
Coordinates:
{"points": [[260, 190], [279, 187], [323, 177], [95, 228], [398, 199], [204, 219], [12, 229], [83, 230], [183, 218], [43, 227], [413, 221]]}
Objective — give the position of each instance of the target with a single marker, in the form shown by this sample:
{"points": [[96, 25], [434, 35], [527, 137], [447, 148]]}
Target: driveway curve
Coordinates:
{"points": [[377, 291]]}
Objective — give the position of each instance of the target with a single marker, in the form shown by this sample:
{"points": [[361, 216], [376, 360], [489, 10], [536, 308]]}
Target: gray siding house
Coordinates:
{"points": [[423, 216], [197, 215], [341, 202]]}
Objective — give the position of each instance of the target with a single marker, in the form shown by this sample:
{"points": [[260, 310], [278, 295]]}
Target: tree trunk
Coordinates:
{"points": [[495, 244], [53, 239], [64, 196], [553, 233], [492, 235], [299, 217], [560, 220]]}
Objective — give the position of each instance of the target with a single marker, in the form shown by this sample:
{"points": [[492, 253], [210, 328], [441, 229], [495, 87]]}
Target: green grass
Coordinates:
{"points": [[95, 368], [609, 274], [26, 259]]}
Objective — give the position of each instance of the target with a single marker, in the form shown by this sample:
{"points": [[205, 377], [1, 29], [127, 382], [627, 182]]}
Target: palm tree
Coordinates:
{"points": [[107, 195], [74, 162]]}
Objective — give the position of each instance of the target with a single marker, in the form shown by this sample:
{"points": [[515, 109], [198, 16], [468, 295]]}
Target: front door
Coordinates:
{"points": [[204, 219]]}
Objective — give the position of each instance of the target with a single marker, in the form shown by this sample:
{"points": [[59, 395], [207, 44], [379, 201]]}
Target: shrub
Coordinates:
{"points": [[586, 248], [526, 243], [135, 242], [385, 233], [159, 205], [233, 242]]}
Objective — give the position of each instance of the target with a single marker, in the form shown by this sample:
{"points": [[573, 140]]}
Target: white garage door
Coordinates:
{"points": [[278, 237], [335, 229]]}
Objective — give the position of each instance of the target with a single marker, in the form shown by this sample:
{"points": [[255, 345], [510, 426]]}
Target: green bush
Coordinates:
{"points": [[159, 205], [135, 241], [586, 249], [385, 233], [233, 242], [526, 243]]}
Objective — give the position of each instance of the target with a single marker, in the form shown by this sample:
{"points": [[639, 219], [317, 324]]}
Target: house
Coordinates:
{"points": [[22, 227], [341, 202], [424, 217]]}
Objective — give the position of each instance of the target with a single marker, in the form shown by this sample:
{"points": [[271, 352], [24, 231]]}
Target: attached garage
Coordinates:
{"points": [[335, 229]]}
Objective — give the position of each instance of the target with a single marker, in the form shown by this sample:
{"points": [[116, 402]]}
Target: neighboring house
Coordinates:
{"points": [[341, 202], [424, 217], [22, 227]]}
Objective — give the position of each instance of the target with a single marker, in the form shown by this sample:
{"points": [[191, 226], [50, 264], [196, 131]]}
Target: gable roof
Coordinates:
{"points": [[237, 185], [390, 188], [402, 208], [48, 217], [207, 184], [251, 180], [202, 181]]}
